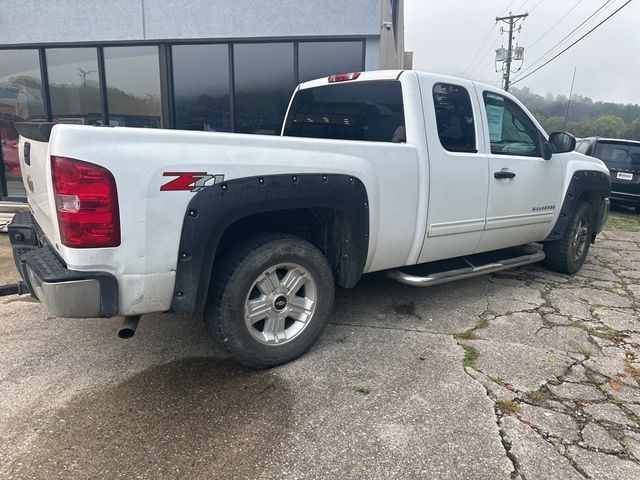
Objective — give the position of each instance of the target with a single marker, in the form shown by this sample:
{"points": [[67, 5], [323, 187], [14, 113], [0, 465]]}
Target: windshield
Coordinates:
{"points": [[619, 153]]}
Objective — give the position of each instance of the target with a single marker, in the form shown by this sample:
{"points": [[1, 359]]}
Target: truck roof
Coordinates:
{"points": [[389, 75]]}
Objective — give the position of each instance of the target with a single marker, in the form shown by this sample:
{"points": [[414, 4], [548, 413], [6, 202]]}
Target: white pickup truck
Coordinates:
{"points": [[387, 170]]}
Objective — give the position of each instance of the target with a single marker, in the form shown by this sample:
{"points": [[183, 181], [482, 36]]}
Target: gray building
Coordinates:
{"points": [[217, 65]]}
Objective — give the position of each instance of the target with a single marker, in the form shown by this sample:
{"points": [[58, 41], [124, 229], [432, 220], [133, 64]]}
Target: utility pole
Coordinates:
{"points": [[511, 21]]}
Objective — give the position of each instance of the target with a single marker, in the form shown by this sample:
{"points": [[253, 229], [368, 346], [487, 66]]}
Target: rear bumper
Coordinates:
{"points": [[63, 292]]}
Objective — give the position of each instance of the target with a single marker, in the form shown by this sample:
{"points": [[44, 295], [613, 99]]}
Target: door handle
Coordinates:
{"points": [[504, 174]]}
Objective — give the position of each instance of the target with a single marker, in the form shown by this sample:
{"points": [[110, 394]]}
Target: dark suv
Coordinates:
{"points": [[622, 158]]}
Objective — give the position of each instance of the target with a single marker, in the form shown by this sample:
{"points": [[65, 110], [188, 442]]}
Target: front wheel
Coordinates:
{"points": [[569, 253], [271, 299]]}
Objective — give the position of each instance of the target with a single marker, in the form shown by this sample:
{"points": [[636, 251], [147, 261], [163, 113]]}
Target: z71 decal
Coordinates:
{"points": [[190, 181]]}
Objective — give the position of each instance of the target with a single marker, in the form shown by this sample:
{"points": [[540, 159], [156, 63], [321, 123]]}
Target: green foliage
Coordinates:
{"points": [[586, 117]]}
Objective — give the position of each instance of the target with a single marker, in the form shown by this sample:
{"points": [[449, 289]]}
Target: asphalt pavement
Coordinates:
{"points": [[523, 374]]}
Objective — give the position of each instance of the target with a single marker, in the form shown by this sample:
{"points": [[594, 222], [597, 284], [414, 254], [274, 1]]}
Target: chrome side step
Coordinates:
{"points": [[461, 273]]}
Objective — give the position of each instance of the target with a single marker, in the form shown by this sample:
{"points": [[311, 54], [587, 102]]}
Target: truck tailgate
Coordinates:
{"points": [[35, 165]]}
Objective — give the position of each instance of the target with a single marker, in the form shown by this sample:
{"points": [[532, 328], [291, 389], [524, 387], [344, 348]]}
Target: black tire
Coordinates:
{"points": [[244, 274], [569, 253]]}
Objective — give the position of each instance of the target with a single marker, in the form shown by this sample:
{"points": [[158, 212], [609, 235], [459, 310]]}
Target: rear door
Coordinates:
{"points": [[458, 179], [525, 190]]}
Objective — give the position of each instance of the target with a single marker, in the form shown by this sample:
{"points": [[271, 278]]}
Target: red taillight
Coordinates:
{"points": [[343, 77], [87, 204]]}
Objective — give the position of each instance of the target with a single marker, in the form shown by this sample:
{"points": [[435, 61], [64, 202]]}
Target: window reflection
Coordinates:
{"points": [[264, 82], [133, 86], [74, 85], [321, 59], [201, 87], [20, 100]]}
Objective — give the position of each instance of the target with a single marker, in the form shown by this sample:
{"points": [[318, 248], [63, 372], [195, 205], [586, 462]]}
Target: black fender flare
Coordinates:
{"points": [[214, 209], [593, 182]]}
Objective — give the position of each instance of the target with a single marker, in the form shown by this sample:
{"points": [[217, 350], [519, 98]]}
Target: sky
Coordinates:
{"points": [[459, 37]]}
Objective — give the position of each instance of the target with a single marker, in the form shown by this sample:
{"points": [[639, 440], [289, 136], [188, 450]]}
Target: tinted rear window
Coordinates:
{"points": [[454, 117], [370, 111], [620, 153]]}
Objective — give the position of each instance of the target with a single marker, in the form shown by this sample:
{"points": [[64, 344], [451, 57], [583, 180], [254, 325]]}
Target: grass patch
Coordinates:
{"points": [[594, 381], [468, 335], [623, 220], [471, 354], [608, 334], [632, 370], [509, 407], [586, 352], [360, 389], [539, 398], [483, 323], [496, 379]]}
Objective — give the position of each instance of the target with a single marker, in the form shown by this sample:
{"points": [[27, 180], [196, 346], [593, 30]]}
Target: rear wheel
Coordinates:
{"points": [[271, 300], [568, 254]]}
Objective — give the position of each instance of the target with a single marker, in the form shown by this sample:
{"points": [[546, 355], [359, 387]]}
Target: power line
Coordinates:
{"points": [[536, 6], [567, 36], [508, 7], [521, 7], [556, 24], [481, 47], [491, 53], [583, 36]]}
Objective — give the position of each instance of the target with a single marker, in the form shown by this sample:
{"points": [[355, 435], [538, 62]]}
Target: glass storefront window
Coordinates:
{"points": [[20, 100], [133, 86], [321, 59], [201, 87], [74, 85], [264, 82]]}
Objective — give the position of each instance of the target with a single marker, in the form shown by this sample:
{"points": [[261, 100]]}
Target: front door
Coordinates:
{"points": [[525, 190]]}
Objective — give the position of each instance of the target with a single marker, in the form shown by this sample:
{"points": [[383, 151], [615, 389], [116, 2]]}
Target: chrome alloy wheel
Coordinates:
{"points": [[280, 304], [580, 238]]}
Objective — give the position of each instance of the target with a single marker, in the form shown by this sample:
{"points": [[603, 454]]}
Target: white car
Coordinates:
{"points": [[373, 171]]}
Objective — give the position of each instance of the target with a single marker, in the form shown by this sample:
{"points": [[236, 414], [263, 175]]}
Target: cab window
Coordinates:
{"points": [[371, 111], [454, 118], [511, 131]]}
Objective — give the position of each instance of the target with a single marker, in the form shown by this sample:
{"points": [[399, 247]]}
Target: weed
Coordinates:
{"points": [[586, 352], [471, 354], [496, 379], [483, 323], [468, 335], [626, 222], [509, 407], [632, 370], [608, 333], [594, 381], [359, 389], [538, 397]]}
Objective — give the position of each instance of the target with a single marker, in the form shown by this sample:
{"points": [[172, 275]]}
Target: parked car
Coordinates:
{"points": [[622, 158], [389, 170]]}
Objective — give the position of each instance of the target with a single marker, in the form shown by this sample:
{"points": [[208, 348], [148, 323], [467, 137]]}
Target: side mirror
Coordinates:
{"points": [[562, 142]]}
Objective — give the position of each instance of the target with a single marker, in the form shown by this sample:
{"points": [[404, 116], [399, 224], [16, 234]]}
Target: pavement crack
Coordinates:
{"points": [[504, 439]]}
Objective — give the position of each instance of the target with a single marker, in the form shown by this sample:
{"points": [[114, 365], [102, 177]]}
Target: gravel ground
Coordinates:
{"points": [[523, 374]]}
